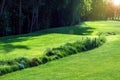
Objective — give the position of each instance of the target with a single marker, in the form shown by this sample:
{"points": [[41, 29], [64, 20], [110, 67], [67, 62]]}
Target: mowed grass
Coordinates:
{"points": [[105, 26], [32, 46], [98, 64]]}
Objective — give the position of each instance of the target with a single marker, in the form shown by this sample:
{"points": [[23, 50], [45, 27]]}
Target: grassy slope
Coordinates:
{"points": [[99, 64]]}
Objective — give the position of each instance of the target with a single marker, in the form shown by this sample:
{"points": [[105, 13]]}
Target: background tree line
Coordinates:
{"points": [[26, 16]]}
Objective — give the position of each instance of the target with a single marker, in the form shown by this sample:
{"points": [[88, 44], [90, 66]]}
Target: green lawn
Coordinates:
{"points": [[32, 46], [98, 64]]}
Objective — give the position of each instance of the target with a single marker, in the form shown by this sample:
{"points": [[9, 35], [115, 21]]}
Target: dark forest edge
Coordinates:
{"points": [[27, 16], [84, 44]]}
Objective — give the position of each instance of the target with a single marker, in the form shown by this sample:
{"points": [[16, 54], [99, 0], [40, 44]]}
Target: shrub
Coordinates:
{"points": [[15, 67], [44, 59], [69, 49], [35, 62], [106, 33], [76, 47], [5, 69]]}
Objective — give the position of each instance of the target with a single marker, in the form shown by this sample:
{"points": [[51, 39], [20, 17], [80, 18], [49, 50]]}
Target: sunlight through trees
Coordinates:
{"points": [[26, 16]]}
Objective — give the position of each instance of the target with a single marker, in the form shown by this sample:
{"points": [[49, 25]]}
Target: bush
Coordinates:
{"points": [[44, 59], [72, 48], [5, 69], [106, 33], [35, 62], [15, 67]]}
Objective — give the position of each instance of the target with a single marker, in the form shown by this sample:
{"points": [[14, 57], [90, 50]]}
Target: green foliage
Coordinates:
{"points": [[76, 47], [106, 33]]}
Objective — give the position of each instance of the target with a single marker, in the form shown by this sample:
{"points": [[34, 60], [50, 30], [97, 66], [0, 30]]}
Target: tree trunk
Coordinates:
{"points": [[20, 17], [2, 7], [37, 18], [33, 20]]}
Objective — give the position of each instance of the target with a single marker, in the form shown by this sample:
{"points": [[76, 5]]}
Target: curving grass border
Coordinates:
{"points": [[84, 44]]}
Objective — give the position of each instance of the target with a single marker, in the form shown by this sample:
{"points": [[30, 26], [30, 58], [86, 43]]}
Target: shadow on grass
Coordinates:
{"points": [[80, 29], [9, 47]]}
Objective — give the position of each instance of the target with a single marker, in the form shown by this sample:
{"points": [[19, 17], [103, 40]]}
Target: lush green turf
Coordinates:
{"points": [[98, 64], [32, 46]]}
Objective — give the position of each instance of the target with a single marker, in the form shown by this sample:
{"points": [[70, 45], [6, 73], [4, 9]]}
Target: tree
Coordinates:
{"points": [[2, 7]]}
